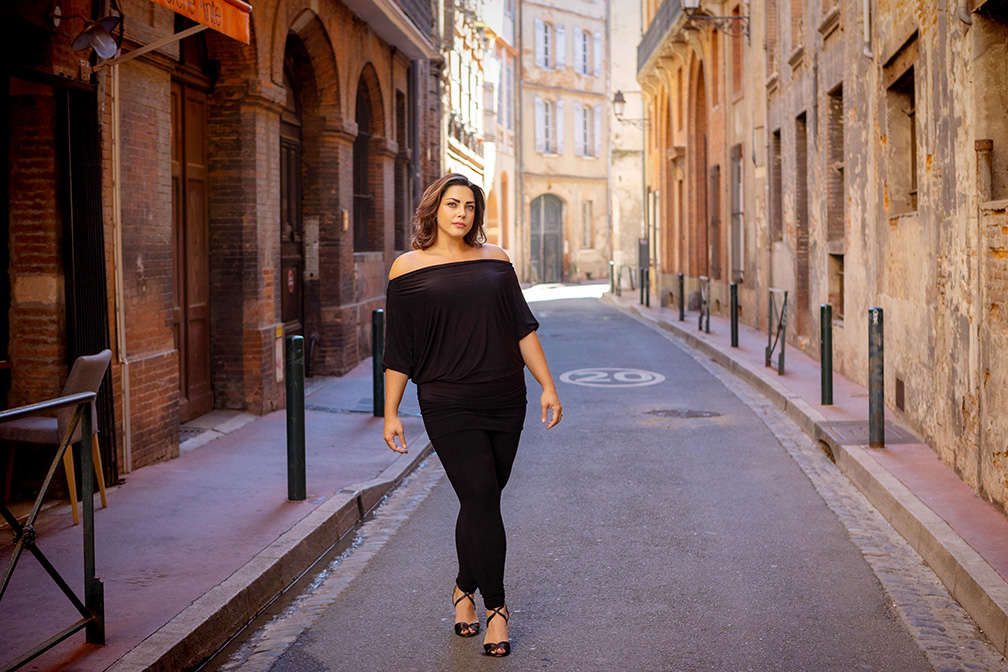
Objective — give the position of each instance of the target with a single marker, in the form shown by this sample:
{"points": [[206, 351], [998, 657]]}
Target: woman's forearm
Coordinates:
{"points": [[535, 360], [395, 385]]}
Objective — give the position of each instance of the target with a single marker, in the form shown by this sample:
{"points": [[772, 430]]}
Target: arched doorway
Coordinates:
{"points": [[297, 69], [191, 225], [367, 171], [546, 239], [699, 239]]}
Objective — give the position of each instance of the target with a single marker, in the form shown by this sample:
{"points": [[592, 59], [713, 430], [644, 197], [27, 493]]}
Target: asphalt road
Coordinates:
{"points": [[638, 539]]}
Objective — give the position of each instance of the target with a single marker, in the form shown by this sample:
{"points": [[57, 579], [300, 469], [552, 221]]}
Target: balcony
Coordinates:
{"points": [[659, 29]]}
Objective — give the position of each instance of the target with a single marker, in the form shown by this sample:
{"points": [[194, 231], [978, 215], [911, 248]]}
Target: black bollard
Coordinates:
{"points": [[94, 591], [682, 300], [612, 277], [826, 353], [734, 314], [294, 381], [377, 371], [641, 283], [647, 288], [876, 380]]}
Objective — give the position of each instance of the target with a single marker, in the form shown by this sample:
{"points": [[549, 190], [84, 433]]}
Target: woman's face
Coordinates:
{"points": [[456, 212]]}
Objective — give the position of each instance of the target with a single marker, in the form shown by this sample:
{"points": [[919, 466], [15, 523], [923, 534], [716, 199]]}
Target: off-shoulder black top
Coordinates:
{"points": [[454, 329]]}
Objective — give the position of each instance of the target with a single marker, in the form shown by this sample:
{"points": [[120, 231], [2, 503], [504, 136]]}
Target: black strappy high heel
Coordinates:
{"points": [[473, 628], [490, 649]]}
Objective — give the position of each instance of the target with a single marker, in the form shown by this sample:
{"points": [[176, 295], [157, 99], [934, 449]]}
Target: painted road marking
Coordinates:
{"points": [[603, 376]]}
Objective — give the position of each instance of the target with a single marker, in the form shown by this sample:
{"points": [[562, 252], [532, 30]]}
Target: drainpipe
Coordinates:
{"points": [[118, 255]]}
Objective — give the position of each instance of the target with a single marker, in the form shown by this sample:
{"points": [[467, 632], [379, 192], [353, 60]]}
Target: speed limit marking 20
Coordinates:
{"points": [[611, 377]]}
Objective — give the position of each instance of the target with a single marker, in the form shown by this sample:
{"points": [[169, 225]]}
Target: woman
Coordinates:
{"points": [[459, 326]]}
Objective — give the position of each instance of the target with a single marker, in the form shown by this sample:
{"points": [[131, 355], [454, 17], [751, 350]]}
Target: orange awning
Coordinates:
{"points": [[229, 17]]}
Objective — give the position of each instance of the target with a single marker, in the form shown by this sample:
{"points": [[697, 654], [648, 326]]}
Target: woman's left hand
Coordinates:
{"points": [[550, 400]]}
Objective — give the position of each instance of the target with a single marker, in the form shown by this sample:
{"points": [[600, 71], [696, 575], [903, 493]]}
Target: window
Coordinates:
{"points": [[797, 24], [737, 230], [587, 130], [548, 126], [597, 54], [836, 285], [715, 66], [509, 89], [771, 37], [776, 188], [736, 48], [802, 222], [550, 45], [587, 241], [679, 99], [901, 132], [835, 189]]}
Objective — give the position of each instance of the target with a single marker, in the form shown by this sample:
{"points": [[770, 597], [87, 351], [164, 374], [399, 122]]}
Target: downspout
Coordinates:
{"points": [[118, 255]]}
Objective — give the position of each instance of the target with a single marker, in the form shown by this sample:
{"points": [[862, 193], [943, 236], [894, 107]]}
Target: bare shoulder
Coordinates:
{"points": [[404, 263], [491, 251]]}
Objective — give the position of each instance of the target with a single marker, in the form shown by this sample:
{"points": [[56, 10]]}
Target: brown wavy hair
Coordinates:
{"points": [[425, 218]]}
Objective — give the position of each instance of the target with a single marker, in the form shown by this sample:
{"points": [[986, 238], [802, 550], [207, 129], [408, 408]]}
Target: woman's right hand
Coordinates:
{"points": [[394, 428]]}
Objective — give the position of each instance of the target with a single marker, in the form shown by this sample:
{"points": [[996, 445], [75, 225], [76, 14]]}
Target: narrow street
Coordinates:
{"points": [[661, 526]]}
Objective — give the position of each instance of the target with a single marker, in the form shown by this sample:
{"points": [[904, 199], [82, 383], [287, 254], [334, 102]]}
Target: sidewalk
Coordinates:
{"points": [[960, 536], [190, 549]]}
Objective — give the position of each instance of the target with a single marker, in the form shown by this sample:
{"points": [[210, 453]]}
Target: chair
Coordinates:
{"points": [[85, 376]]}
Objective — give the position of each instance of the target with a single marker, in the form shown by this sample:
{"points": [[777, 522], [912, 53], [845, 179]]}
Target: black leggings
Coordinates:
{"points": [[478, 464]]}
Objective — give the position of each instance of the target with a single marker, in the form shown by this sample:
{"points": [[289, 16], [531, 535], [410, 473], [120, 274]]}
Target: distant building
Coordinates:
{"points": [[464, 55], [564, 143]]}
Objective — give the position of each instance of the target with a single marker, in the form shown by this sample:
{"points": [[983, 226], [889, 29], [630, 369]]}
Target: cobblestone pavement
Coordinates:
{"points": [[262, 649], [949, 638]]}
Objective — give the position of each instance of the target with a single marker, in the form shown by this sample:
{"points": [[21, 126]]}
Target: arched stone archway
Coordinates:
{"points": [[697, 237], [546, 239]]}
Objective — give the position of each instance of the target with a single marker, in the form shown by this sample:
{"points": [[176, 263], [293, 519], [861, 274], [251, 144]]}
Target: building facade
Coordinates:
{"points": [[464, 54], [564, 142], [501, 128], [225, 195], [848, 153]]}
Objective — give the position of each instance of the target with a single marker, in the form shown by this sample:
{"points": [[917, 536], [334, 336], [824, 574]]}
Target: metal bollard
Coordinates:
{"points": [[826, 354], [294, 382], [612, 277], [682, 300], [377, 371], [94, 591], [647, 288], [876, 380], [733, 288]]}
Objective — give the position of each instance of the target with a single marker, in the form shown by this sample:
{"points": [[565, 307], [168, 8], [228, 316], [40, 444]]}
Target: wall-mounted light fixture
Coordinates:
{"points": [[104, 35], [730, 25], [619, 106]]}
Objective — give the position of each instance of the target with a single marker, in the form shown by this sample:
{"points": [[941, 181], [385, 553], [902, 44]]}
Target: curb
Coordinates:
{"points": [[204, 626], [970, 579]]}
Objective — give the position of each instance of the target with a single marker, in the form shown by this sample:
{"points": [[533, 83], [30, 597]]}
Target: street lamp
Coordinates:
{"points": [[619, 106], [732, 25]]}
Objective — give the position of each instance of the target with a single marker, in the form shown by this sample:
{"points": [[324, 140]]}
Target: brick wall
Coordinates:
{"points": [[37, 313]]}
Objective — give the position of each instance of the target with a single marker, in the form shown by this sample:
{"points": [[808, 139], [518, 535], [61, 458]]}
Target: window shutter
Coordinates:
{"points": [[597, 48], [579, 50], [559, 127], [561, 48], [598, 130], [538, 41], [579, 141], [540, 125]]}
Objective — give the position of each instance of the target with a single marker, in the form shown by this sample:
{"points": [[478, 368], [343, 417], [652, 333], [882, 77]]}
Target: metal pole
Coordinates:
{"points": [[641, 283], [294, 381], [94, 593], [826, 353], [682, 301], [612, 277], [377, 370], [733, 288], [876, 380], [647, 289]]}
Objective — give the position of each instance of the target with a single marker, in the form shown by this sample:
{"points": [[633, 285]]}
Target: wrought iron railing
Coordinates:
{"points": [[657, 30], [92, 609], [777, 328]]}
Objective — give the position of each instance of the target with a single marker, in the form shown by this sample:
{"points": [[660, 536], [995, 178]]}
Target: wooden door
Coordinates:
{"points": [[190, 233], [546, 244]]}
